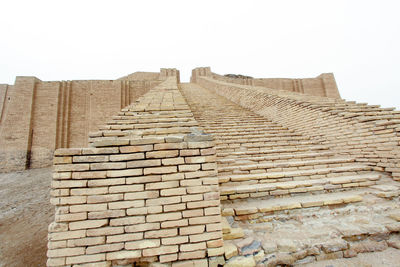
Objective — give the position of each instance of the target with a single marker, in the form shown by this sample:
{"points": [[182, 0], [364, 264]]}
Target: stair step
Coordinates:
{"points": [[272, 151], [298, 187]]}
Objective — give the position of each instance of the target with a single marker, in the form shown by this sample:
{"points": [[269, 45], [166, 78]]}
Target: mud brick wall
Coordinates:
{"points": [[148, 199], [369, 133]]}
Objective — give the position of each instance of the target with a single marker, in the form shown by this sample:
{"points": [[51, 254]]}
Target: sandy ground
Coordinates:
{"points": [[25, 213]]}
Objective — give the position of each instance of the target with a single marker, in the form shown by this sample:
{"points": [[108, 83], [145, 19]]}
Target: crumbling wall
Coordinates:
{"points": [[369, 133]]}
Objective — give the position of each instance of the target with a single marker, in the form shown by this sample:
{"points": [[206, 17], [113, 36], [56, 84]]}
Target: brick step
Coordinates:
{"points": [[238, 127], [263, 146], [285, 164], [293, 188], [253, 135], [298, 175], [263, 139], [281, 157], [264, 152], [249, 209]]}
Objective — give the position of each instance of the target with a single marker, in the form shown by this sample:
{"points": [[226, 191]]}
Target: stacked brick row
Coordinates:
{"points": [[369, 133], [137, 199]]}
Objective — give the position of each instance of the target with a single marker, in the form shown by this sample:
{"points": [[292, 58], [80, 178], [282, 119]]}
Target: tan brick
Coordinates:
{"points": [[89, 191], [106, 214], [123, 254], [208, 151], [205, 219], [104, 198], [108, 166], [197, 174], [212, 196], [209, 166], [150, 195], [105, 231], [134, 149], [71, 217], [193, 246], [104, 248], [97, 158], [174, 240], [173, 177], [160, 250], [127, 157], [212, 252], [169, 146], [204, 237], [88, 207], [189, 152], [193, 213], [199, 254], [127, 220], [212, 211], [89, 175], [68, 184], [125, 173], [191, 182], [117, 142], [124, 237], [196, 197], [62, 175], [65, 252], [164, 217], [144, 163], [73, 200], [200, 144], [200, 189], [174, 207], [174, 224], [126, 204], [126, 188], [58, 227], [86, 258], [148, 140], [56, 261], [142, 227], [160, 170], [173, 161], [143, 179], [59, 192], [106, 182], [67, 151], [163, 201], [103, 150], [161, 233], [189, 167], [215, 243], [71, 167], [66, 235], [210, 180], [173, 192], [88, 241], [62, 160], [148, 243], [162, 154], [57, 244], [203, 204], [168, 258], [197, 229], [87, 224], [213, 227], [162, 185]]}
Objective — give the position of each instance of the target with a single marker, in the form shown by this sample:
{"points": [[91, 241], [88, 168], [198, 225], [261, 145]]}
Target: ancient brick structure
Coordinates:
{"points": [[219, 171]]}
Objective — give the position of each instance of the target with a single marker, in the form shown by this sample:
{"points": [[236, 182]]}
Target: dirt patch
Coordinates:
{"points": [[25, 213]]}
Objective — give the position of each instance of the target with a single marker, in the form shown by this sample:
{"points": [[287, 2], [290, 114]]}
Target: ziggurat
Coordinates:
{"points": [[230, 171]]}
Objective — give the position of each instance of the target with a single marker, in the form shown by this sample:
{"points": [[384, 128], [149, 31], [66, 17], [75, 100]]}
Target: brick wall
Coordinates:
{"points": [[369, 133], [145, 196]]}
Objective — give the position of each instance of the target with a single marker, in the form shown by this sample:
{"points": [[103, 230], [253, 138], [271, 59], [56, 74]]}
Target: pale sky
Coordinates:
{"points": [[359, 41]]}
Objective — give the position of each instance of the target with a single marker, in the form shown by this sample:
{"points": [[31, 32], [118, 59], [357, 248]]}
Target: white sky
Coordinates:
{"points": [[359, 41]]}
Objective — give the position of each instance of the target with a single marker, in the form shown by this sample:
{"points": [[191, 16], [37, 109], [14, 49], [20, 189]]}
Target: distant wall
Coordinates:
{"points": [[322, 85], [37, 117]]}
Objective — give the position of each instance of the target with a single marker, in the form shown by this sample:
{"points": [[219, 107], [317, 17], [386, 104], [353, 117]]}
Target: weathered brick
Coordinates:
{"points": [[209, 166], [88, 241], [215, 243], [67, 151], [66, 235], [108, 166], [189, 167], [86, 258], [89, 175], [68, 184], [160, 170], [175, 240], [193, 246], [106, 214], [116, 142], [161, 233], [73, 200], [208, 151], [197, 174], [62, 160], [87, 207], [164, 217], [124, 237], [105, 248], [142, 195], [143, 179], [169, 146], [148, 140], [126, 204], [163, 201], [105, 231], [97, 158], [106, 182], [123, 254], [142, 227], [204, 236], [65, 252], [127, 220], [200, 189], [162, 185], [62, 175], [160, 250], [144, 163], [125, 173], [173, 161], [104, 198], [174, 207], [87, 224], [191, 182], [199, 254], [57, 244], [205, 219], [174, 224], [189, 152], [173, 192], [71, 217], [197, 229], [212, 196], [196, 197], [212, 252], [134, 149], [210, 180], [200, 144], [127, 157], [103, 150], [193, 213], [173, 177], [148, 243], [126, 188], [89, 191], [214, 227], [162, 154], [144, 210], [202, 204], [212, 211], [56, 261]]}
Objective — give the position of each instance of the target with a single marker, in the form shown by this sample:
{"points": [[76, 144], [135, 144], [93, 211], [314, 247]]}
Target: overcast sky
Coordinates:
{"points": [[359, 41]]}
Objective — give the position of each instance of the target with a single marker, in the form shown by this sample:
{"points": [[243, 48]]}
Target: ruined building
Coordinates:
{"points": [[224, 170]]}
